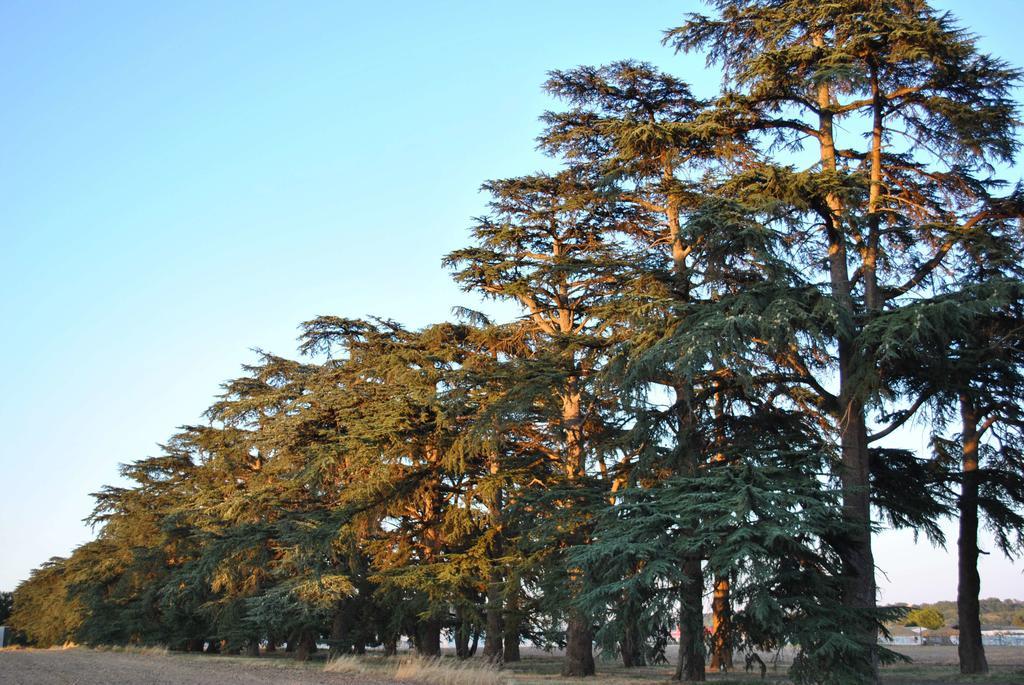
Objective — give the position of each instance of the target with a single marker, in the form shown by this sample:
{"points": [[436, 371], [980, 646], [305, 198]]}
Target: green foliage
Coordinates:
{"points": [[6, 606], [44, 612], [994, 612]]}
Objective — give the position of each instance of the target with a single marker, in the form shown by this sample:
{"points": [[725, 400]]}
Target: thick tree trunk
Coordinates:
{"points": [[632, 646], [463, 632], [252, 647], [510, 646], [271, 645], [579, 647], [195, 644], [306, 645], [856, 553], [510, 622], [970, 648], [495, 628], [691, 595], [691, 624], [721, 649], [430, 638], [391, 646], [572, 423], [579, 639], [340, 640], [858, 560]]}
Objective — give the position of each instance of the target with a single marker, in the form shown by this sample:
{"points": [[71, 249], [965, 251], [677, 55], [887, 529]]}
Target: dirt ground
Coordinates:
{"points": [[935, 664], [86, 667], [932, 666]]}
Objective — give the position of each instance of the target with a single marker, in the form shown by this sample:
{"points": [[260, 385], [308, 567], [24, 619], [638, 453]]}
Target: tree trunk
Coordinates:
{"points": [[339, 639], [271, 645], [462, 634], [721, 649], [494, 624], [572, 424], [632, 646], [510, 651], [970, 648], [390, 646], [869, 260], [510, 642], [430, 638], [252, 647], [691, 595], [307, 645], [858, 560], [495, 627], [691, 624], [579, 647], [510, 622]]}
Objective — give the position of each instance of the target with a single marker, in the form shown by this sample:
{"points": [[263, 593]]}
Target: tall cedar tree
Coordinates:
{"points": [[971, 374], [988, 397], [274, 579], [394, 456], [882, 215], [713, 282], [632, 125], [544, 247]]}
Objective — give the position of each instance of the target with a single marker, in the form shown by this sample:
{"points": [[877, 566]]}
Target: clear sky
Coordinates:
{"points": [[182, 182]]}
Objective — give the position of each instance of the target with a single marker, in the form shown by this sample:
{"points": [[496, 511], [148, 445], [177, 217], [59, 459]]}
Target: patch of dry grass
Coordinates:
{"points": [[416, 670], [133, 649], [354, 665], [441, 672], [124, 649]]}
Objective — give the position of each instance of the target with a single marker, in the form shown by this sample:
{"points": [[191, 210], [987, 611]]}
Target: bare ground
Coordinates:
{"points": [[87, 667], [933, 665]]}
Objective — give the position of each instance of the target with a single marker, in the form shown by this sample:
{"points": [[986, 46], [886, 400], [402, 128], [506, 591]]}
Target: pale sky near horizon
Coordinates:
{"points": [[183, 182]]}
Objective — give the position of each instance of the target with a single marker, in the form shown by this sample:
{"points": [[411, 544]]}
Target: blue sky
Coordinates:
{"points": [[182, 182]]}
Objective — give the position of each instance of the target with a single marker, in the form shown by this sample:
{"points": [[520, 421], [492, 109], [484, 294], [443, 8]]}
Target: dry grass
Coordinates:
{"points": [[133, 649], [124, 649], [440, 672], [354, 665], [415, 670]]}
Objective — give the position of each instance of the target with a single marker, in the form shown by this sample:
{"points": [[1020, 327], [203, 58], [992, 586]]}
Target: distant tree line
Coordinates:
{"points": [[726, 306], [994, 613]]}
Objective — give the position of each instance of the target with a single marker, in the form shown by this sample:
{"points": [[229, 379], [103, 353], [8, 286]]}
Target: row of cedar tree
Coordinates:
{"points": [[727, 306]]}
